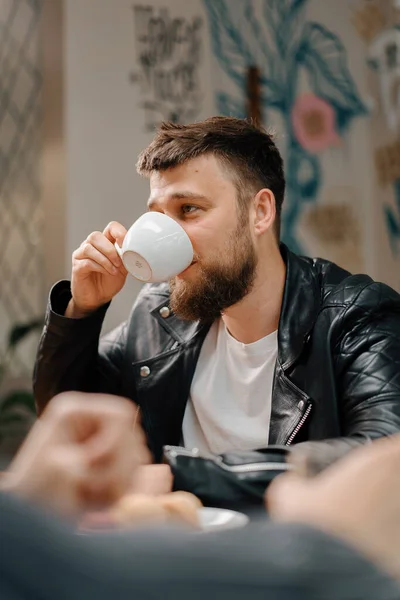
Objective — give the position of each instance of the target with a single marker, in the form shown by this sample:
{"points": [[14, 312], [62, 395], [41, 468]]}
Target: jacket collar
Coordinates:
{"points": [[301, 300], [300, 305], [181, 331]]}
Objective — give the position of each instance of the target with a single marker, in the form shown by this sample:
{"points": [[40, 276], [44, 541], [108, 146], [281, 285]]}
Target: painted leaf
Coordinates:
{"points": [[283, 17], [282, 11], [304, 173], [230, 106], [229, 45], [324, 56], [393, 220], [257, 35], [233, 48], [272, 88], [393, 228]]}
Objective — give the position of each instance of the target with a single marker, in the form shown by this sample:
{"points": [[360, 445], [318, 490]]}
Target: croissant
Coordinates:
{"points": [[140, 508]]}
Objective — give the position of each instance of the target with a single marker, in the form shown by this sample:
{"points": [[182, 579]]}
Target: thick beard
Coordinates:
{"points": [[218, 285]]}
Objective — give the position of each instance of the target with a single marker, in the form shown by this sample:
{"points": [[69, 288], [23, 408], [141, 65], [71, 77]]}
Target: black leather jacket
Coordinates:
{"points": [[337, 375]]}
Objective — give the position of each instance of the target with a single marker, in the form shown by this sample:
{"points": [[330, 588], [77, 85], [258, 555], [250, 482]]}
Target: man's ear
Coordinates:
{"points": [[264, 211]]}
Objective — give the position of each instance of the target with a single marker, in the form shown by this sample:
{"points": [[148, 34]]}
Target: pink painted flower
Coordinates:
{"points": [[313, 122]]}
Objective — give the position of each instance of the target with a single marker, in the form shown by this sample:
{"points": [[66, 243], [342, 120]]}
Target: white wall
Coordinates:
{"points": [[104, 122]]}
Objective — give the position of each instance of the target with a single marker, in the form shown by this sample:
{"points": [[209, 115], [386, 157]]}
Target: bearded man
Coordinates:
{"points": [[251, 345]]}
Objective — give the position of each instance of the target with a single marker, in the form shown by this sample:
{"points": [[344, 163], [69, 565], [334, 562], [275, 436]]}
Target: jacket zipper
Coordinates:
{"points": [[299, 425], [179, 451], [254, 467]]}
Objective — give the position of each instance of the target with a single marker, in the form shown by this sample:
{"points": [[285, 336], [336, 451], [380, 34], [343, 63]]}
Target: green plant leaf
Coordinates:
{"points": [[10, 418], [21, 330], [17, 398]]}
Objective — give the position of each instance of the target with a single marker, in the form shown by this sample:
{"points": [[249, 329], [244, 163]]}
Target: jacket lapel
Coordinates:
{"points": [[163, 393], [181, 331], [290, 408], [300, 306]]}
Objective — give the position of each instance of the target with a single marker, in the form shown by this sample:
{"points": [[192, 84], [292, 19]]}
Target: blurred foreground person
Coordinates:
{"points": [[341, 539], [81, 454]]}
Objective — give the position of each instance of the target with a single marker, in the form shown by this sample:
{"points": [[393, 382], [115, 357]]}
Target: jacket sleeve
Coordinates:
{"points": [[367, 371], [71, 355]]}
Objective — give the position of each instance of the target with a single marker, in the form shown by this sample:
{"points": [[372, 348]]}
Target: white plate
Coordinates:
{"points": [[216, 519]]}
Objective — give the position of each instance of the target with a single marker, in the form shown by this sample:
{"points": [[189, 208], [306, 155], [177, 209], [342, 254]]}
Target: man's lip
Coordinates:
{"points": [[187, 268]]}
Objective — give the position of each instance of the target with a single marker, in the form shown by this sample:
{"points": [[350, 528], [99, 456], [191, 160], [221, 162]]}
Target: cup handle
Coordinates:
{"points": [[118, 249]]}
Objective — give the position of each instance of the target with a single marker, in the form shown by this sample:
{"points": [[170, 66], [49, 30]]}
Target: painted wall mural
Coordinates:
{"points": [[387, 161], [382, 40], [384, 57], [168, 56], [333, 227], [393, 221], [285, 46]]}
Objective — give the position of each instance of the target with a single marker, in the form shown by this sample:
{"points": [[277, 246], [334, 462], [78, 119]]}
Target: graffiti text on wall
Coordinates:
{"points": [[168, 56]]}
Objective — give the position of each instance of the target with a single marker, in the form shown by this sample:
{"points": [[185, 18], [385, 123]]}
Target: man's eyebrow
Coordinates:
{"points": [[185, 195]]}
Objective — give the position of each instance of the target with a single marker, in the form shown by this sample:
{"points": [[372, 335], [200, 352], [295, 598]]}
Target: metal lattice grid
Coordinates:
{"points": [[21, 259]]}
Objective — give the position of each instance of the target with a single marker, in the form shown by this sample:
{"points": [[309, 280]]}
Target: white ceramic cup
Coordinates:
{"points": [[155, 248]]}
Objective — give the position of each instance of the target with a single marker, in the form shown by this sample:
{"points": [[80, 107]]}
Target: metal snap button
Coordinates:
{"points": [[144, 371], [165, 312], [300, 405]]}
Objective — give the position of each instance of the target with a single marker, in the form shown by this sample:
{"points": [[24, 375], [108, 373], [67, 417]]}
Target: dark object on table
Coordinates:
{"points": [[235, 480]]}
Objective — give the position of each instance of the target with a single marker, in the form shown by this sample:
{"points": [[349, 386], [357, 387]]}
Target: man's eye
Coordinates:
{"points": [[187, 209]]}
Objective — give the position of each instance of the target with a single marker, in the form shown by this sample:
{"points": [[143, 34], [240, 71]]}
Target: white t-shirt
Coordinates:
{"points": [[229, 407]]}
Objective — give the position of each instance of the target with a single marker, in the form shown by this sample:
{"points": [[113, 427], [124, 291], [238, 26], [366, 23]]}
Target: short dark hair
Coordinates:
{"points": [[249, 152]]}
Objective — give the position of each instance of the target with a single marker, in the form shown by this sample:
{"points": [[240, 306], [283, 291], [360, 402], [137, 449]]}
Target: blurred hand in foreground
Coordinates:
{"points": [[152, 480], [356, 499], [80, 455]]}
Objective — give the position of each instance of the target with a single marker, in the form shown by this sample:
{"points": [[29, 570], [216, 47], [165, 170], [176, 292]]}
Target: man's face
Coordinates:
{"points": [[203, 199]]}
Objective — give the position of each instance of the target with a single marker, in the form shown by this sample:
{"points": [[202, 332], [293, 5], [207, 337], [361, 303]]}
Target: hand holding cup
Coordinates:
{"points": [[98, 273], [154, 249]]}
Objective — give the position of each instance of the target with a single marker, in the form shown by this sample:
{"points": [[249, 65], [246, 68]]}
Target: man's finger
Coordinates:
{"points": [[152, 479], [115, 232], [284, 492]]}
